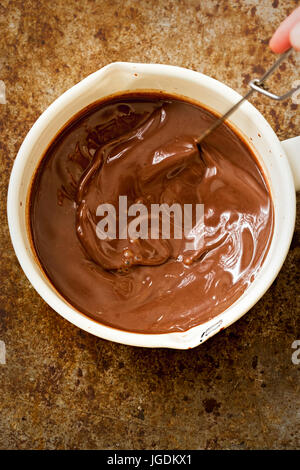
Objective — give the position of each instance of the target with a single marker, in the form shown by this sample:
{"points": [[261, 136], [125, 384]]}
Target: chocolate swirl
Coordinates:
{"points": [[143, 147]]}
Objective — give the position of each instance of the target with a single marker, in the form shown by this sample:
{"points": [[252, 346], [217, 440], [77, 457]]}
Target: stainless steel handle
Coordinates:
{"points": [[258, 84]]}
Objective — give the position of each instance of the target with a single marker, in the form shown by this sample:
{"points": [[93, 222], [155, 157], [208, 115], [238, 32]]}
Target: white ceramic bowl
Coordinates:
{"points": [[121, 77]]}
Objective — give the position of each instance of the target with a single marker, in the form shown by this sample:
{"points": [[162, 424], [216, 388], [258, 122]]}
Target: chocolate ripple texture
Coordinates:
{"points": [[143, 147]]}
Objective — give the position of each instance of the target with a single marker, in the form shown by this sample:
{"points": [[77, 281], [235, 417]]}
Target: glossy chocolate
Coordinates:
{"points": [[143, 146]]}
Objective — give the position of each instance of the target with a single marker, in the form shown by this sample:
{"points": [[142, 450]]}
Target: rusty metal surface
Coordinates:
{"points": [[63, 388]]}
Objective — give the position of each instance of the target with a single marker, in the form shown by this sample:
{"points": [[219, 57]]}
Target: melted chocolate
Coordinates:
{"points": [[143, 147]]}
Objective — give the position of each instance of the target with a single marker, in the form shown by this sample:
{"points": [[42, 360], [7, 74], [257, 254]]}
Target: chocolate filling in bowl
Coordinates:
{"points": [[142, 146]]}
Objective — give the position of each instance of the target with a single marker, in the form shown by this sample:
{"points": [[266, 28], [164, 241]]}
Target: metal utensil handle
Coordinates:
{"points": [[257, 84]]}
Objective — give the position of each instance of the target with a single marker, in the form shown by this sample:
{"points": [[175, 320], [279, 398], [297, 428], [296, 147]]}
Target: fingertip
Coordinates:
{"points": [[273, 44], [279, 43]]}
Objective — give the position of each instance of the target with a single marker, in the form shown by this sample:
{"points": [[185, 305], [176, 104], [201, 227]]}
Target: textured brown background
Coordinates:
{"points": [[63, 388]]}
